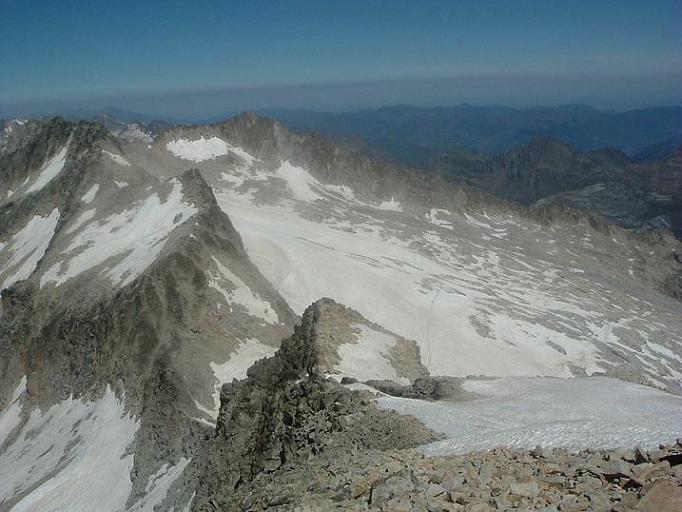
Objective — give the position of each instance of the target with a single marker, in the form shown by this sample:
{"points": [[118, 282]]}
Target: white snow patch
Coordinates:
{"points": [[367, 359], [90, 194], [594, 412], [50, 170], [135, 237], [71, 457], [392, 205], [299, 181], [476, 222], [198, 150], [117, 158], [242, 295], [27, 247], [121, 184]]}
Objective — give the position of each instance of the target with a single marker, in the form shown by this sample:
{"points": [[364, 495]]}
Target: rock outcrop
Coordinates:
{"points": [[285, 415]]}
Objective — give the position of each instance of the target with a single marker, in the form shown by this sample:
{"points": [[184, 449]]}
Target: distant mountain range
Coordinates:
{"points": [[636, 195], [624, 165], [413, 134]]}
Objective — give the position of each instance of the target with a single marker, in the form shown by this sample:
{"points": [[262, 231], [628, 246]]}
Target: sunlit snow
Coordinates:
{"points": [[595, 412], [90, 194], [476, 302], [367, 359], [197, 150], [50, 170], [27, 247], [391, 205], [131, 240], [72, 456]]}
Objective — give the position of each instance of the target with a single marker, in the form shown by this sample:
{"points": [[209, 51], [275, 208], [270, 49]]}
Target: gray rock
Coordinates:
{"points": [[529, 489]]}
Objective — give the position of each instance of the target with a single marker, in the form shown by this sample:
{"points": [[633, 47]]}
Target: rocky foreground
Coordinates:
{"points": [[501, 479], [290, 439]]}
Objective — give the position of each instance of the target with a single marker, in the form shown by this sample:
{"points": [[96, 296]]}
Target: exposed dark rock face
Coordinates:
{"points": [[286, 413], [424, 388]]}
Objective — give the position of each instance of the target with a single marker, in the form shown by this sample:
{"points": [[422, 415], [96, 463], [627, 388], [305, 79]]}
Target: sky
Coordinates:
{"points": [[203, 56]]}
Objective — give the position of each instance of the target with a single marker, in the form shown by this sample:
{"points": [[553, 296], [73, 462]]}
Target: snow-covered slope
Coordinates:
{"points": [[484, 290], [127, 301], [593, 412], [141, 274]]}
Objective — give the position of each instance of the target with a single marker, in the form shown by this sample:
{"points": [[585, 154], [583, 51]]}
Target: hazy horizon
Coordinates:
{"points": [[174, 59], [201, 105]]}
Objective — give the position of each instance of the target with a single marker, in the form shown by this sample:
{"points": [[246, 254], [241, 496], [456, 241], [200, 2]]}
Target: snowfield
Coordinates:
{"points": [[50, 170], [594, 412], [197, 150], [544, 324], [129, 241], [25, 248], [202, 149], [73, 456], [481, 294], [367, 359]]}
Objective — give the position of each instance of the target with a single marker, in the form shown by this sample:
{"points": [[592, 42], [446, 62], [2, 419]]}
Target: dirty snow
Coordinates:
{"points": [[133, 132], [27, 247], [595, 412], [367, 359], [73, 456], [50, 170], [117, 158], [247, 157], [241, 294], [129, 241]]}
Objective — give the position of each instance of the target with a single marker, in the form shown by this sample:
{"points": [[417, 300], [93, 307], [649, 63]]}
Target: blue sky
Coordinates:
{"points": [[69, 50]]}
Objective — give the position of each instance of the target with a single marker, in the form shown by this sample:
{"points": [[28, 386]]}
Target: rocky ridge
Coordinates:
{"points": [[140, 336]]}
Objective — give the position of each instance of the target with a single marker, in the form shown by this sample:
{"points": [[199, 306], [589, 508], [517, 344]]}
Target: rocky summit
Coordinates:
{"points": [[233, 316]]}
